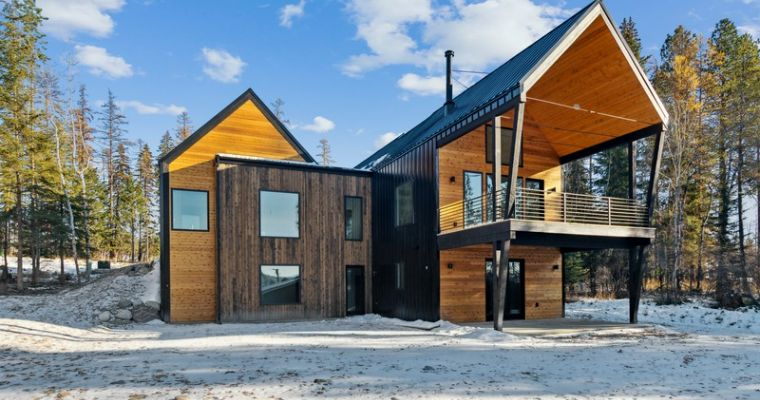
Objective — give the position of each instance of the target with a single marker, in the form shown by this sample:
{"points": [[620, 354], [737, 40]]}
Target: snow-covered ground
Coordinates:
{"points": [[693, 317], [44, 355]]}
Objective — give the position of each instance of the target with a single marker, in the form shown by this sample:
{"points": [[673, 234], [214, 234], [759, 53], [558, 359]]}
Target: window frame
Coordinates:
{"points": [[504, 157], [208, 210], [300, 285], [361, 218], [477, 195], [261, 220], [396, 222]]}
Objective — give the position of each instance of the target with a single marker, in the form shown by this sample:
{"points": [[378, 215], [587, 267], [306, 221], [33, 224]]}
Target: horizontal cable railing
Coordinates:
{"points": [[544, 205]]}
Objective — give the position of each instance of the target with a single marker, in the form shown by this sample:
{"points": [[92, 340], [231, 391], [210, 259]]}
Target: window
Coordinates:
{"points": [[506, 145], [189, 210], [279, 214], [473, 200], [399, 281], [280, 284], [353, 210], [404, 204]]}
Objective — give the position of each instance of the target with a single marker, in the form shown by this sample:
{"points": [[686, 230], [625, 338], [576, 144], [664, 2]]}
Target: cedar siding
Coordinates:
{"points": [[321, 249]]}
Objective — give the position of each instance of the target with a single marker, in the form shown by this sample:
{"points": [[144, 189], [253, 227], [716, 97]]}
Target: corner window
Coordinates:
{"points": [[506, 145], [404, 204], [399, 281], [189, 210], [279, 214], [353, 213], [280, 284]]}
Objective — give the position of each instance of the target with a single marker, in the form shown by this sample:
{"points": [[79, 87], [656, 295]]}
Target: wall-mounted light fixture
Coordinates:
{"points": [[452, 179], [450, 266], [556, 267]]}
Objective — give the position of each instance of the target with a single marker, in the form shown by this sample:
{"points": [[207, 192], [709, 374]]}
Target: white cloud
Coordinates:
{"points": [[291, 12], [320, 124], [100, 62], [416, 33], [423, 85], [384, 139], [65, 18], [222, 66], [151, 109]]}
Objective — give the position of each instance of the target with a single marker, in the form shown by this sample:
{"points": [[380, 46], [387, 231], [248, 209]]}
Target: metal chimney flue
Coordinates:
{"points": [[449, 88]]}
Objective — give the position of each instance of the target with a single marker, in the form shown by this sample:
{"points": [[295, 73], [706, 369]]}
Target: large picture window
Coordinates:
{"points": [[189, 210], [354, 211], [279, 216], [404, 209], [506, 145], [280, 284]]}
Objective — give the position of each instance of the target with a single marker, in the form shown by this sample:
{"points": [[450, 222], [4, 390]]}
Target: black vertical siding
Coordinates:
{"points": [[164, 242], [415, 245]]}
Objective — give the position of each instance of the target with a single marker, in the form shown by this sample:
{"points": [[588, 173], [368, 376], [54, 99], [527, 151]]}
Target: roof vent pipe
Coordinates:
{"points": [[449, 89]]}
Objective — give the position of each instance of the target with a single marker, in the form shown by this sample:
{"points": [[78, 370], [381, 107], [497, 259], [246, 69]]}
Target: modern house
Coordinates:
{"points": [[437, 238]]}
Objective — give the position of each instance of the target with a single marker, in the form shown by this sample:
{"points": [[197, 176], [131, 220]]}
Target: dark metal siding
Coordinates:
{"points": [[414, 245]]}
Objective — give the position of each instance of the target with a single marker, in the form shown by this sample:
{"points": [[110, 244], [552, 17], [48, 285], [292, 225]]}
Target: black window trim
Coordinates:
{"points": [[361, 218], [261, 220], [300, 286], [208, 210]]}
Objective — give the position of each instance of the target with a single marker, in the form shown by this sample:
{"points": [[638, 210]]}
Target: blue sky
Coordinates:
{"points": [[356, 72]]}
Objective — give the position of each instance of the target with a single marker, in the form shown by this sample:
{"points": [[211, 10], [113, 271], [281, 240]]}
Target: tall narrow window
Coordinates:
{"points": [[399, 278], [473, 198], [189, 210], [279, 214], [354, 211], [404, 204], [506, 145], [280, 284]]}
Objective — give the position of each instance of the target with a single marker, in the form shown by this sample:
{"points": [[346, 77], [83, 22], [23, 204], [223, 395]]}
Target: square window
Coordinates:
{"points": [[280, 284], [354, 224], [189, 210], [506, 145], [279, 214]]}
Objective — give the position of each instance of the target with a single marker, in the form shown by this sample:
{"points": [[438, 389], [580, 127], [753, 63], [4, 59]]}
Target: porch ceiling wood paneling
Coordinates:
{"points": [[594, 74]]}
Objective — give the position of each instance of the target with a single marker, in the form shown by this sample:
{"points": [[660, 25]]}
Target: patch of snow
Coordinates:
{"points": [[692, 317]]}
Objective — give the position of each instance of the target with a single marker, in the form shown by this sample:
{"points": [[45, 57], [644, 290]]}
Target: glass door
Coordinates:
{"points": [[354, 290], [514, 307]]}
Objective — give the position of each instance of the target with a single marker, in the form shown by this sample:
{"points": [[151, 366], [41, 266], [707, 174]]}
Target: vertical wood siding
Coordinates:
{"points": [[321, 250]]}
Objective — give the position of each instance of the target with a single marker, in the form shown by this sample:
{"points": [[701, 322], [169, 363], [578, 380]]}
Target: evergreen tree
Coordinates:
{"points": [[324, 152], [184, 126], [166, 144], [146, 187], [112, 134]]}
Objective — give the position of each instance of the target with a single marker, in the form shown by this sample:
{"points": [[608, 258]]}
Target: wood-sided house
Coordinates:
{"points": [[254, 230]]}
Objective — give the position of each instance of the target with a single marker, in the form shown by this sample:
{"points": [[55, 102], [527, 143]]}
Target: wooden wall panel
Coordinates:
{"points": [[463, 287], [321, 249], [192, 255]]}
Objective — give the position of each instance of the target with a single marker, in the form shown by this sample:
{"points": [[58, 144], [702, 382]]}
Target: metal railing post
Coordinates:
{"points": [[609, 211]]}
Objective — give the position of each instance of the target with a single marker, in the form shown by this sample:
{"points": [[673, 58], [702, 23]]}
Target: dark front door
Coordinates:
{"points": [[354, 290], [514, 307]]}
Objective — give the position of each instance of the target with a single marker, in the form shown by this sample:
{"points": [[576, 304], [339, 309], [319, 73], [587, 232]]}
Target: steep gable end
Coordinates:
{"points": [[245, 127]]}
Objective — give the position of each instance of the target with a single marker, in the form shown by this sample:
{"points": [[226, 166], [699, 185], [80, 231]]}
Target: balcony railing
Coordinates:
{"points": [[544, 205]]}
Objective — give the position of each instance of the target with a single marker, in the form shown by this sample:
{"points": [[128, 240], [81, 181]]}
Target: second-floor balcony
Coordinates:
{"points": [[548, 206]]}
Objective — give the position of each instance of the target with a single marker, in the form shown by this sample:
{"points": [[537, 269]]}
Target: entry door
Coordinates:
{"points": [[354, 290], [514, 307]]}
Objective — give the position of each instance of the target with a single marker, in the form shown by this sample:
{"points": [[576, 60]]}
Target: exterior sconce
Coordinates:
{"points": [[452, 179], [450, 266]]}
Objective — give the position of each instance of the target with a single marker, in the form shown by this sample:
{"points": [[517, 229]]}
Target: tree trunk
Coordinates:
{"points": [[740, 218], [19, 237], [64, 186]]}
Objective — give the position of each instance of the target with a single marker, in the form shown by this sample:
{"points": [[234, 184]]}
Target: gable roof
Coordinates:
{"points": [[247, 95], [504, 83]]}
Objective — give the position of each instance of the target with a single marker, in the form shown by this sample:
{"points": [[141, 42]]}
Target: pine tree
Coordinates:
{"points": [[631, 36], [184, 126], [82, 138], [146, 185], [112, 134], [278, 108], [324, 152], [166, 144], [20, 56]]}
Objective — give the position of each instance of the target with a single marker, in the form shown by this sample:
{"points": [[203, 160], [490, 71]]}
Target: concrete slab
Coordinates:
{"points": [[562, 327]]}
